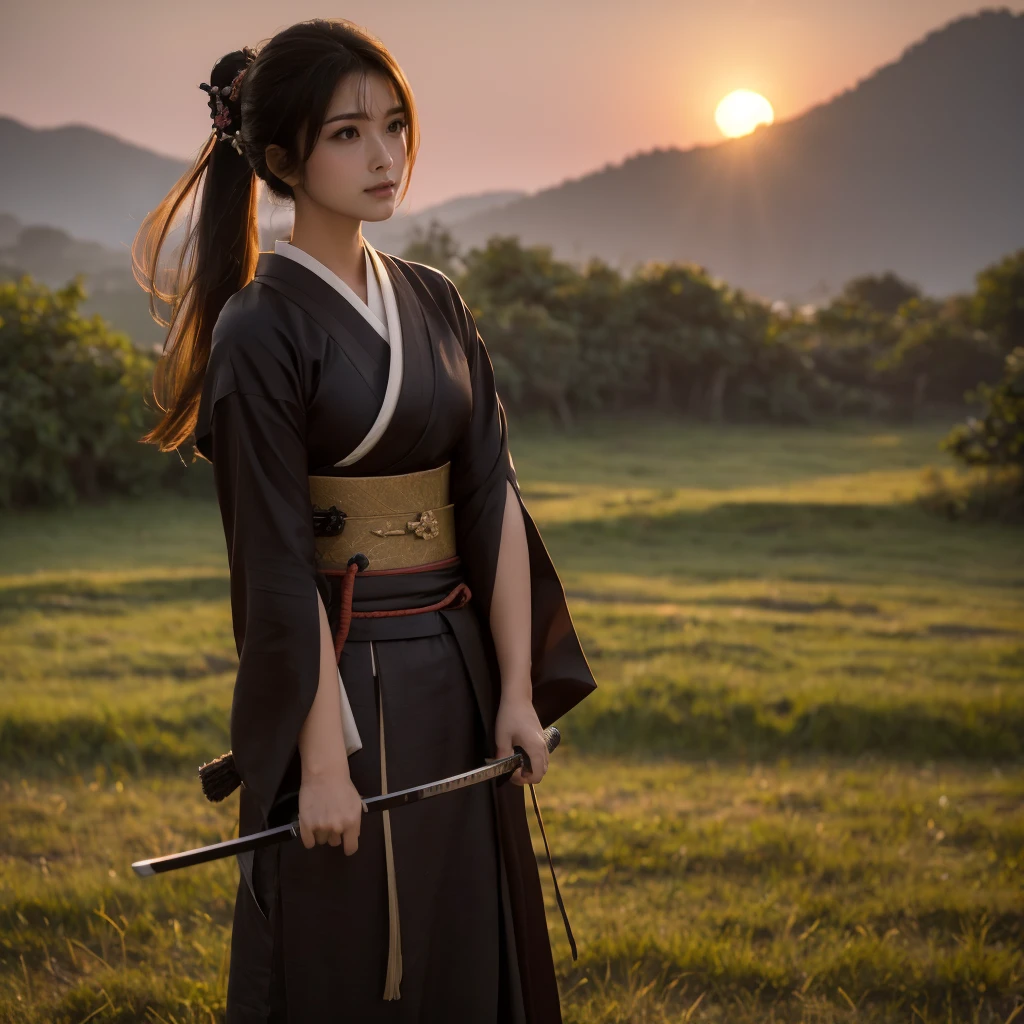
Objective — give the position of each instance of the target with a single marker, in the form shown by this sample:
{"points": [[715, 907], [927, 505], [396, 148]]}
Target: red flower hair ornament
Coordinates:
{"points": [[225, 108]]}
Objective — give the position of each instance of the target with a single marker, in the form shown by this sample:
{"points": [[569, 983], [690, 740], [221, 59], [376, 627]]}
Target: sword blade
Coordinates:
{"points": [[387, 801], [384, 802], [215, 851]]}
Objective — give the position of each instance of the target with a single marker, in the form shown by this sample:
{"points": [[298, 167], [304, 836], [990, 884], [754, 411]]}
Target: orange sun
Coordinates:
{"points": [[741, 112]]}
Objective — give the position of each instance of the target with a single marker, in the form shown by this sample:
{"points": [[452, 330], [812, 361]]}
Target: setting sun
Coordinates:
{"points": [[741, 112]]}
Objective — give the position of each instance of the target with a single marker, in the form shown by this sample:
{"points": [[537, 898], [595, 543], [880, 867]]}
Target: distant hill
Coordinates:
{"points": [[54, 257], [93, 185], [10, 227], [919, 169], [393, 235], [83, 181]]}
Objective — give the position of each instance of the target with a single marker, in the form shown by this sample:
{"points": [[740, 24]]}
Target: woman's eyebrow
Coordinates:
{"points": [[361, 115]]}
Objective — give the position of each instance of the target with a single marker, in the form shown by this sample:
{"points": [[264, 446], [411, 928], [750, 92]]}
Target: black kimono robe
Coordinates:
{"points": [[295, 379]]}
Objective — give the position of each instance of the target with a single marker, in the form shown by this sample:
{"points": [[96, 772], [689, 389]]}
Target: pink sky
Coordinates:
{"points": [[512, 94]]}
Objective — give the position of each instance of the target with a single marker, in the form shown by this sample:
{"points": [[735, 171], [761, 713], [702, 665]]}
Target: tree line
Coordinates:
{"points": [[668, 336], [565, 342]]}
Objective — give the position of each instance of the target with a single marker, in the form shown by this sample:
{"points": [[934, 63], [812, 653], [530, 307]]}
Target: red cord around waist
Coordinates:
{"points": [[458, 597]]}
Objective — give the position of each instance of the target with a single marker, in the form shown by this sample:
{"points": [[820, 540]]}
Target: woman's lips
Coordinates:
{"points": [[382, 191]]}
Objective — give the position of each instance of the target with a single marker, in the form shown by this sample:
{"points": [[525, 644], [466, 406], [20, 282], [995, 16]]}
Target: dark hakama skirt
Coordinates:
{"points": [[320, 950]]}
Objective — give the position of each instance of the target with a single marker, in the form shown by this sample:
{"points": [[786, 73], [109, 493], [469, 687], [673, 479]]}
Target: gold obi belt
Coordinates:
{"points": [[398, 522]]}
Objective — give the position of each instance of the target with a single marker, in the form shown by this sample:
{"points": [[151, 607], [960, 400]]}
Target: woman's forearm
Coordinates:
{"points": [[321, 740], [510, 604], [330, 810]]}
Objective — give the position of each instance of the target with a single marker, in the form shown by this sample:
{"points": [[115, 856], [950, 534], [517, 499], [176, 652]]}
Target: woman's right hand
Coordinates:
{"points": [[330, 810]]}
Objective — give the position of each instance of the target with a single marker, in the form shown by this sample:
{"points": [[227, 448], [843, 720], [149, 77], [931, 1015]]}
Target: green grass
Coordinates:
{"points": [[798, 794]]}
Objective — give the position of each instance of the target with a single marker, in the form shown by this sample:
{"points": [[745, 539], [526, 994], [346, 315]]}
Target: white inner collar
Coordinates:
{"points": [[387, 323], [373, 311]]}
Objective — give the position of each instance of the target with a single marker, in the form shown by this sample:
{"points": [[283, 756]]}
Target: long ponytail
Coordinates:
{"points": [[286, 88], [217, 256]]}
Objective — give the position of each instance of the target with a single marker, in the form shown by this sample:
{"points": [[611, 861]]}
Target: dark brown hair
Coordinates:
{"points": [[283, 99]]}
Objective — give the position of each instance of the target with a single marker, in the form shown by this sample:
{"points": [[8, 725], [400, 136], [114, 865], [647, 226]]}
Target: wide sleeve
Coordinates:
{"points": [[252, 426], [481, 466]]}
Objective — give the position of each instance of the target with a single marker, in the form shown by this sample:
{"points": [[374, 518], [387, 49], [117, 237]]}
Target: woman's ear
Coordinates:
{"points": [[280, 166]]}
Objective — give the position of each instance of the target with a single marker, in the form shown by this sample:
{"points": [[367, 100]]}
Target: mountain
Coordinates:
{"points": [[54, 257], [10, 227], [83, 181], [917, 169], [93, 185], [393, 235]]}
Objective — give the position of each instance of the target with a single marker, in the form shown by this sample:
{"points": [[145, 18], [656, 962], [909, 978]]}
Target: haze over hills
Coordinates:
{"points": [[394, 234], [95, 186], [917, 169], [83, 181], [53, 257]]}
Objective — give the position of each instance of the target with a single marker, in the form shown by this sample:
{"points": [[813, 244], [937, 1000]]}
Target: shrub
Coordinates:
{"points": [[72, 406], [992, 446], [996, 439], [998, 302]]}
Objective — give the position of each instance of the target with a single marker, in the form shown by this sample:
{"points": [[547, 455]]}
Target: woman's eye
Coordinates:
{"points": [[394, 127]]}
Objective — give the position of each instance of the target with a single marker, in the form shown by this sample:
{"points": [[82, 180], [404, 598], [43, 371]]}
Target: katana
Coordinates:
{"points": [[386, 802]]}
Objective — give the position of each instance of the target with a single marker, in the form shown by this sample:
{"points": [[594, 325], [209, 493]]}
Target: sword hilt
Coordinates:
{"points": [[552, 737]]}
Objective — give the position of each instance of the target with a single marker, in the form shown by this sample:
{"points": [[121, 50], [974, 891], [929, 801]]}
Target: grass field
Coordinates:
{"points": [[798, 794]]}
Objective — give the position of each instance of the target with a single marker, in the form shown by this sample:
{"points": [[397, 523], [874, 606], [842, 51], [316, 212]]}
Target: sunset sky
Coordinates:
{"points": [[519, 94]]}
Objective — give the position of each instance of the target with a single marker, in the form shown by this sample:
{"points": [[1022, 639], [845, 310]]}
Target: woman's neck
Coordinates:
{"points": [[335, 241]]}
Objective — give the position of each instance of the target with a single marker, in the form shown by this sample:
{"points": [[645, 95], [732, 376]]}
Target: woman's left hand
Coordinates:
{"points": [[517, 725]]}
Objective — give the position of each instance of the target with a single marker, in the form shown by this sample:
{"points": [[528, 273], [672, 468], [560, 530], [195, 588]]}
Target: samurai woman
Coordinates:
{"points": [[372, 514]]}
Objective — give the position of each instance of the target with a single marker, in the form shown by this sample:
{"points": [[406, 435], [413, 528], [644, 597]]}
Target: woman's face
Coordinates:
{"points": [[362, 143]]}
